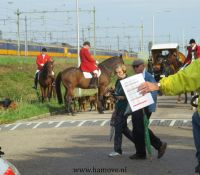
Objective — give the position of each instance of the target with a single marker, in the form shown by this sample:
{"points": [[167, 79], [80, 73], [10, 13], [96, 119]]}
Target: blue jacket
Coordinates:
{"points": [[150, 78]]}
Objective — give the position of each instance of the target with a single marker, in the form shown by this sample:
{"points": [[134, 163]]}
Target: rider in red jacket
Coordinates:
{"points": [[40, 61], [193, 52], [88, 64]]}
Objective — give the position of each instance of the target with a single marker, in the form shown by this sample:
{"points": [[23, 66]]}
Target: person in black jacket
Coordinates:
{"points": [[120, 120]]}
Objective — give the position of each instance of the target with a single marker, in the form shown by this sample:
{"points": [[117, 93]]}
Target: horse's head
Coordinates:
{"points": [[48, 67], [109, 64]]}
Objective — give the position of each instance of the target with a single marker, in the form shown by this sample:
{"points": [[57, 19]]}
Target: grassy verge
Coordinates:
{"points": [[26, 110]]}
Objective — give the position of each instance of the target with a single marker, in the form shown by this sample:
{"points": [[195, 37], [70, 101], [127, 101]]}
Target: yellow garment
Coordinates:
{"points": [[185, 80]]}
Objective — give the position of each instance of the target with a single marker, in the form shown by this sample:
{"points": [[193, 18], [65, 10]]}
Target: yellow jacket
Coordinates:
{"points": [[185, 80]]}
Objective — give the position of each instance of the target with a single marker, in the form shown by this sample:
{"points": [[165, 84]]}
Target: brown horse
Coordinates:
{"points": [[175, 61], [46, 79], [73, 78], [167, 65]]}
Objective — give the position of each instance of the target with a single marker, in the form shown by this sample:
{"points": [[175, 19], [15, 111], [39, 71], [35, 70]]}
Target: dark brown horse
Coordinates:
{"points": [[46, 79], [73, 78]]}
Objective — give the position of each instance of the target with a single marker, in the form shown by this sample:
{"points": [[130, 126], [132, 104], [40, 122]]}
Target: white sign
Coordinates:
{"points": [[136, 100]]}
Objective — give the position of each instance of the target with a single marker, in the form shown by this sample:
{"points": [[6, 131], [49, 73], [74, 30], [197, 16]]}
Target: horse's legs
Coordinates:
{"points": [[68, 99], [42, 93], [100, 100], [185, 98], [49, 92]]}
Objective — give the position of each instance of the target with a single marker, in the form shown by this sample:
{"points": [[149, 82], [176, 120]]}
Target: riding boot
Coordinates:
{"points": [[93, 83], [35, 81]]}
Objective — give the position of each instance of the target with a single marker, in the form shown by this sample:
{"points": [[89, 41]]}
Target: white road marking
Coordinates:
{"points": [[13, 128], [37, 125], [172, 123], [59, 124], [104, 122], [81, 123]]}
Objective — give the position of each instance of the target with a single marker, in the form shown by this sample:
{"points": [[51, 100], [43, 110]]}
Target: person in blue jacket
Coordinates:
{"points": [[138, 117]]}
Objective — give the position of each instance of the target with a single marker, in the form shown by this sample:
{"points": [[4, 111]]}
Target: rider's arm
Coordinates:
{"points": [[38, 60], [89, 56]]}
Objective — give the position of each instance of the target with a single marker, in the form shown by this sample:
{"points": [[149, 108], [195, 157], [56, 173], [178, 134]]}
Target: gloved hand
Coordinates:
{"points": [[97, 62], [42, 64]]}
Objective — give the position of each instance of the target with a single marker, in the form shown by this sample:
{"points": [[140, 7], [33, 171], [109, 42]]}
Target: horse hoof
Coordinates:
{"points": [[101, 112]]}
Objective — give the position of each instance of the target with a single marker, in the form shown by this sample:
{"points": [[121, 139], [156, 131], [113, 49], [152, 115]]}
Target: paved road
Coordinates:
{"points": [[60, 151], [59, 145]]}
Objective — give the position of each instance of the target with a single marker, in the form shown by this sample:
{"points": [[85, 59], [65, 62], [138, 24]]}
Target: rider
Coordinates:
{"points": [[193, 52], [88, 64], [40, 61]]}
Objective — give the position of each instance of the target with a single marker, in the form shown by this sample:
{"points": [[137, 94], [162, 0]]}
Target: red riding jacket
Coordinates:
{"points": [[196, 51], [88, 63], [40, 61]]}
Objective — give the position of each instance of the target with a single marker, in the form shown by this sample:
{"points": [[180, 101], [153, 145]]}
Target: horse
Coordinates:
{"points": [[167, 65], [46, 79], [176, 61], [73, 77]]}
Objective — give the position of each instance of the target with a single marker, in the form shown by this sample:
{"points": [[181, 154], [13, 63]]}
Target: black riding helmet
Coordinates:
{"points": [[44, 49], [86, 43]]}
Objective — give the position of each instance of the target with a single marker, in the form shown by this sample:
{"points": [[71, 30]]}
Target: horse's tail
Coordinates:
{"points": [[58, 89]]}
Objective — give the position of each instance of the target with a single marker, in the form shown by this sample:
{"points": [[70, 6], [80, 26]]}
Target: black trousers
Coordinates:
{"points": [[121, 128], [138, 132]]}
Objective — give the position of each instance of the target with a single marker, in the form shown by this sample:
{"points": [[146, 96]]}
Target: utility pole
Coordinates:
{"points": [[153, 31], [77, 28], [129, 44], [94, 11], [142, 39], [118, 43], [169, 37], [26, 48], [78, 37], [18, 35], [183, 41], [83, 35]]}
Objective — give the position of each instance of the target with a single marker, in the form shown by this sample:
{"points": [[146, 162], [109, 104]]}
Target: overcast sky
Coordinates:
{"points": [[174, 21]]}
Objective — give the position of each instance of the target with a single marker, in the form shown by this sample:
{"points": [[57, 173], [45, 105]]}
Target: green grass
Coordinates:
{"points": [[26, 110], [16, 81]]}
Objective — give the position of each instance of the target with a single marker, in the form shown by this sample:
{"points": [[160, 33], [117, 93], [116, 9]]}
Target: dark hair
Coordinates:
{"points": [[44, 49], [192, 41], [86, 43]]}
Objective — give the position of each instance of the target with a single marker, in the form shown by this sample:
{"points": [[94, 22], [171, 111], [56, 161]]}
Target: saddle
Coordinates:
{"points": [[90, 74]]}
